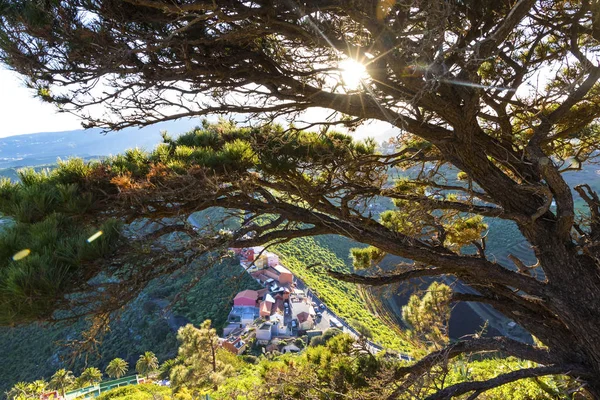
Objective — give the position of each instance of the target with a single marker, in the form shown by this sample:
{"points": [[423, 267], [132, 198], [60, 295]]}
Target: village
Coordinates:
{"points": [[279, 313]]}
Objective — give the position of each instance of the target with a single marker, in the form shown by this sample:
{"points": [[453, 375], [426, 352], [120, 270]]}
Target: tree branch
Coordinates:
{"points": [[482, 386], [498, 344]]}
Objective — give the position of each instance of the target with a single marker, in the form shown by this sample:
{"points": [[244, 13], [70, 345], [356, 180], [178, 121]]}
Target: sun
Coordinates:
{"points": [[353, 73]]}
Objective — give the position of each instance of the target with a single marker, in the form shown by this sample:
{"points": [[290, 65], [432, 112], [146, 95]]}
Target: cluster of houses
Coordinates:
{"points": [[278, 311]]}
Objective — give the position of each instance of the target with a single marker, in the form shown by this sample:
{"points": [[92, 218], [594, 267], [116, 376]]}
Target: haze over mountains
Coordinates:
{"points": [[46, 147]]}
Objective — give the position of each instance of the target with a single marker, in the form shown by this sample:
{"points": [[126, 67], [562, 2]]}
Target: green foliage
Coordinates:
{"points": [[33, 349], [318, 372], [117, 368], [363, 258], [211, 297], [343, 298], [25, 390], [146, 391], [201, 365], [429, 316], [323, 338], [551, 387], [464, 230], [57, 250], [147, 364], [135, 162], [166, 367], [61, 380], [89, 376], [73, 170]]}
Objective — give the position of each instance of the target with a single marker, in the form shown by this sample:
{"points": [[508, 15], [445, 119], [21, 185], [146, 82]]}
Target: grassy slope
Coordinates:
{"points": [[343, 298]]}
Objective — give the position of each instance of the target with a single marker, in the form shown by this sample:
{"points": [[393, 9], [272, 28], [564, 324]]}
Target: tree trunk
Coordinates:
{"points": [[573, 298]]}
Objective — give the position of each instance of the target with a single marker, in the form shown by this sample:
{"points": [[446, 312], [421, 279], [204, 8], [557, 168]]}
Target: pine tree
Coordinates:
{"points": [[463, 82], [201, 366]]}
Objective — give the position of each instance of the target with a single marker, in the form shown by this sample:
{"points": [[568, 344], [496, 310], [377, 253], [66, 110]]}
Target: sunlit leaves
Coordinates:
{"points": [[428, 317], [365, 257], [463, 231]]}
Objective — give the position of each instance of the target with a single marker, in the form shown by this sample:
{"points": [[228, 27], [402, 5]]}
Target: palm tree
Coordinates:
{"points": [[117, 368], [61, 380], [21, 390], [24, 390], [90, 376], [167, 366], [38, 387], [147, 364]]}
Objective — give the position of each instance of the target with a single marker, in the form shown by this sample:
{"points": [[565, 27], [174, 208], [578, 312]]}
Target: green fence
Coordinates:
{"points": [[95, 390]]}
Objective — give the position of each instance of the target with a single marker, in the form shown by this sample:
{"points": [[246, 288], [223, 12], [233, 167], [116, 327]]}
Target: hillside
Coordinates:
{"points": [[36, 351]]}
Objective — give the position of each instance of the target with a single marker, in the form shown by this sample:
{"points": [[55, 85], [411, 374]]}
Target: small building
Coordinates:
{"points": [[265, 308], [53, 395], [262, 261], [278, 307], [234, 344], [279, 327], [259, 276], [264, 333], [284, 274], [272, 259], [243, 315], [271, 273], [269, 298], [247, 254], [231, 328], [305, 321], [246, 298]]}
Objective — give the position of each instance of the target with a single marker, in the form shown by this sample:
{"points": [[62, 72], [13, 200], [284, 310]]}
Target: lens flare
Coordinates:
{"points": [[352, 73], [94, 236], [21, 254]]}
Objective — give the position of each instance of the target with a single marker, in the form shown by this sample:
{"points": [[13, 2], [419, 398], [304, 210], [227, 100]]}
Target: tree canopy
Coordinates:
{"points": [[116, 368], [505, 93]]}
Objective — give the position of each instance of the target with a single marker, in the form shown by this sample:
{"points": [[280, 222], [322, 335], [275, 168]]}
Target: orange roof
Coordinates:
{"points": [[247, 294], [265, 307]]}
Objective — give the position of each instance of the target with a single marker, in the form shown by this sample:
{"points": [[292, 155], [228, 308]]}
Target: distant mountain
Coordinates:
{"points": [[46, 147]]}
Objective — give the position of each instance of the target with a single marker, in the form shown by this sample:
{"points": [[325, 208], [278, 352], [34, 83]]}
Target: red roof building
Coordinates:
{"points": [[246, 298]]}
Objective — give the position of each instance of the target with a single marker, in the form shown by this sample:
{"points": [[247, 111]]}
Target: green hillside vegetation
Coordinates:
{"points": [[336, 371], [145, 391], [46, 203], [36, 351], [331, 366], [342, 297]]}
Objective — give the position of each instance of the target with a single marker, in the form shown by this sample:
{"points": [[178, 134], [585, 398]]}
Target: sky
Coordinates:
{"points": [[21, 113]]}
